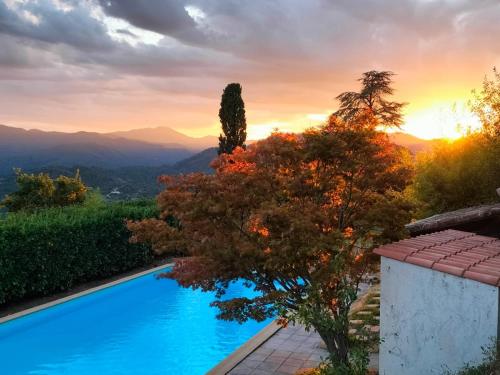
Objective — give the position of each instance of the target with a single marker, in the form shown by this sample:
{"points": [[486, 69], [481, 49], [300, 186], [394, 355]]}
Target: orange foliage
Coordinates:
{"points": [[285, 215]]}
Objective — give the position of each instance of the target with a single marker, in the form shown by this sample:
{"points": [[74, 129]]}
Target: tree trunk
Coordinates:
{"points": [[336, 344]]}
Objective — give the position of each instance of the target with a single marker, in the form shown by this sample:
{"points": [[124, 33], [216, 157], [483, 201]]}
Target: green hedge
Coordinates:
{"points": [[55, 249]]}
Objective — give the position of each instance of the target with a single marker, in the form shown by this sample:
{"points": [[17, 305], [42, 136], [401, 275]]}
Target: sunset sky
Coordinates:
{"points": [[105, 65]]}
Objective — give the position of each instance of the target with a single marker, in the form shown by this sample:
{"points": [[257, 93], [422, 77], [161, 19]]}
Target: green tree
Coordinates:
{"points": [[375, 87], [69, 190], [41, 191], [294, 216], [486, 105], [456, 175], [232, 118]]}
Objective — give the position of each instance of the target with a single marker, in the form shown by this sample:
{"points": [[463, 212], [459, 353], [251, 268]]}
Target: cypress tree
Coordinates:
{"points": [[232, 118]]}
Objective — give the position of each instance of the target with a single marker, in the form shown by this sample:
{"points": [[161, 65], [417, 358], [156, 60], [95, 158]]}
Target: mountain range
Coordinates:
{"points": [[35, 149], [123, 164], [167, 137]]}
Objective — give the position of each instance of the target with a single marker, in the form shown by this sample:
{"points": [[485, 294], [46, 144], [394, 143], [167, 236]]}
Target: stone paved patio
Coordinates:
{"points": [[286, 352], [292, 349]]}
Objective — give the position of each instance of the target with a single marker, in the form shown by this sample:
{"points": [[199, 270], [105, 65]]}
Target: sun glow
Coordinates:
{"points": [[260, 131], [448, 121]]}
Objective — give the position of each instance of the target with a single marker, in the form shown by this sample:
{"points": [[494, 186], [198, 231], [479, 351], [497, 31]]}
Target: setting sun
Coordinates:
{"points": [[448, 121]]}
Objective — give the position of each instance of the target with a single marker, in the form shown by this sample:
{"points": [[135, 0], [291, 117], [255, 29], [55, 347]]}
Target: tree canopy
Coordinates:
{"points": [[375, 86], [486, 105], [41, 191], [461, 174], [232, 118], [294, 216]]}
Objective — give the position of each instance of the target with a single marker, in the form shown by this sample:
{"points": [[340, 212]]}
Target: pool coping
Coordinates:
{"points": [[83, 293], [231, 361]]}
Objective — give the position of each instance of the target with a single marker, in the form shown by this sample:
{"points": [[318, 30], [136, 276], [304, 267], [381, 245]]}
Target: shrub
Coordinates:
{"points": [[490, 365], [54, 249], [40, 191], [457, 175]]}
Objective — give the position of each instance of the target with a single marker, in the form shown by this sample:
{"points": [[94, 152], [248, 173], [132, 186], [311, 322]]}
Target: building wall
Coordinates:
{"points": [[429, 319]]}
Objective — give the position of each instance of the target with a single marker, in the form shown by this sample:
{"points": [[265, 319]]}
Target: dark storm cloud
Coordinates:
{"points": [[53, 26], [163, 17]]}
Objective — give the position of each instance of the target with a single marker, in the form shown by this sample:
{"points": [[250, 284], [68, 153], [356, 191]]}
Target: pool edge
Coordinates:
{"points": [[232, 360], [59, 301]]}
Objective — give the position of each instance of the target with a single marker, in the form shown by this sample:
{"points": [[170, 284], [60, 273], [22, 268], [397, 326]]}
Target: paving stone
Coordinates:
{"points": [[252, 363], [268, 366], [290, 346], [263, 350], [241, 371], [372, 306], [374, 329], [353, 331], [258, 356], [311, 364], [285, 370], [301, 356], [293, 362], [356, 322], [273, 360], [262, 372], [280, 353]]}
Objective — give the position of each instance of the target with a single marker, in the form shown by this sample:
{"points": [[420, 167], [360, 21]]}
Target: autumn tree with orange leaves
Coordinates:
{"points": [[295, 216]]}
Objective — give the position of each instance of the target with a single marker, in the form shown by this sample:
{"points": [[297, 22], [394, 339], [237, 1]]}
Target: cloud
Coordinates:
{"points": [[164, 17], [157, 58], [43, 21]]}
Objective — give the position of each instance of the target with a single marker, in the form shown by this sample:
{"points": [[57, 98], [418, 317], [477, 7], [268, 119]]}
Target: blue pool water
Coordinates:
{"points": [[143, 326]]}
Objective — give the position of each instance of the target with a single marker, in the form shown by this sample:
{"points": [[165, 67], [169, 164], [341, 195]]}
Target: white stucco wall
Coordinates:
{"points": [[429, 319]]}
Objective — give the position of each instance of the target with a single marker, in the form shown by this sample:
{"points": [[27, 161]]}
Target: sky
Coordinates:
{"points": [[106, 65]]}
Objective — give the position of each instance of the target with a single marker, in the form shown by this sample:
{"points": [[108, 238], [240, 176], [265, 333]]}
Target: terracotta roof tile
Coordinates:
{"points": [[446, 268], [481, 277], [451, 251], [419, 261], [492, 261]]}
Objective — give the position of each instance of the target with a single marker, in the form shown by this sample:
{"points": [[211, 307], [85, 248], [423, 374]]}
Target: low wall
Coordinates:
{"points": [[432, 321]]}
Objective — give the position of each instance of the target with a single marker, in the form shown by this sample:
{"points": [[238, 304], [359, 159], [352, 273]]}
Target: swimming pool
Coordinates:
{"points": [[142, 326]]}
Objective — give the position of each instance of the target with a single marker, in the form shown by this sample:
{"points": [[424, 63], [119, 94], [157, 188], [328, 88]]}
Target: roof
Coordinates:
{"points": [[450, 251], [454, 218]]}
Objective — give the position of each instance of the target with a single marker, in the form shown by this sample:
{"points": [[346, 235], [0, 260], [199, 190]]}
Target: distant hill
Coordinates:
{"points": [[124, 182], [35, 149], [122, 165], [197, 163], [167, 137], [414, 144]]}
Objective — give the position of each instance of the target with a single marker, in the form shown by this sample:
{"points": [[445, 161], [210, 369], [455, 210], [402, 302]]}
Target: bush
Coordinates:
{"points": [[457, 175], [490, 365], [54, 249], [40, 191]]}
